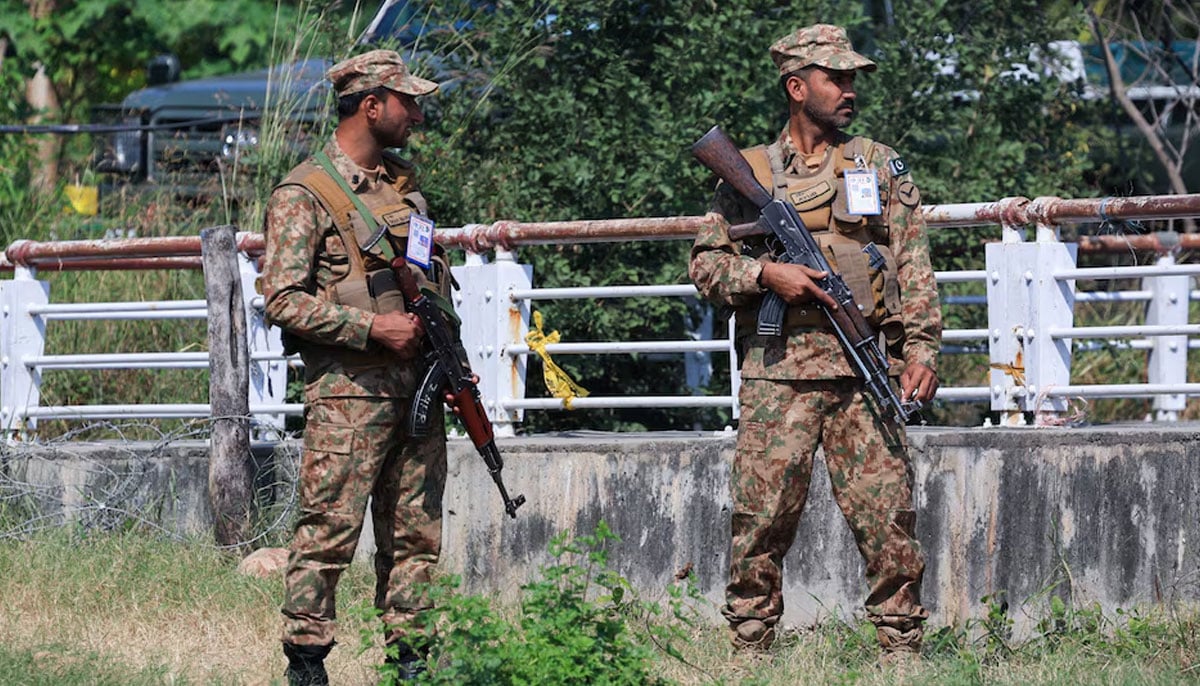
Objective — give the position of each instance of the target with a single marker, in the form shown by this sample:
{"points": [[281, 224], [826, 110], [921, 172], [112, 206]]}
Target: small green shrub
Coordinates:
{"points": [[581, 623]]}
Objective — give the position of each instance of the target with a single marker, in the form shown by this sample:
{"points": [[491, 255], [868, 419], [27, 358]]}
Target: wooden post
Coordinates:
{"points": [[39, 93], [230, 468]]}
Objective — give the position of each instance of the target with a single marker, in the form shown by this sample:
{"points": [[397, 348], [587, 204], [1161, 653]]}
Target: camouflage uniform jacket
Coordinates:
{"points": [[305, 258], [729, 278]]}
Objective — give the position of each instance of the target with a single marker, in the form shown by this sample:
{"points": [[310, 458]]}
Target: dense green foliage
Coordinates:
{"points": [[96, 51]]}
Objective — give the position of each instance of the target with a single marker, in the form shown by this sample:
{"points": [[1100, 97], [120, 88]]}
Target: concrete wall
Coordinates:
{"points": [[1106, 515]]}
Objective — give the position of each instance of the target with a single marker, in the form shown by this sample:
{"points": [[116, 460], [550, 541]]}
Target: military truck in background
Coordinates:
{"points": [[189, 136], [186, 134]]}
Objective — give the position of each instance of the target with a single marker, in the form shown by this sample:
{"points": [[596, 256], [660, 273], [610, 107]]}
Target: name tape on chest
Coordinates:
{"points": [[397, 218], [812, 196]]}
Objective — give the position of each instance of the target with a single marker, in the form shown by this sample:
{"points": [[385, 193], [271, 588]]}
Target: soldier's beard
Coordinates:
{"points": [[830, 119], [389, 137]]}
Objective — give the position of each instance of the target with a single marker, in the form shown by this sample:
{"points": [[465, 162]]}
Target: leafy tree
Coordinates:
{"points": [[97, 50], [971, 93]]}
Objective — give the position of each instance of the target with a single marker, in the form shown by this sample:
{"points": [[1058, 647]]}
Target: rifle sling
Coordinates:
{"points": [[322, 160]]}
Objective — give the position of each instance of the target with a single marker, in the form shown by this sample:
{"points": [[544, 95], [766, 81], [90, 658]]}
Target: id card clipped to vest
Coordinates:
{"points": [[420, 240], [862, 192]]}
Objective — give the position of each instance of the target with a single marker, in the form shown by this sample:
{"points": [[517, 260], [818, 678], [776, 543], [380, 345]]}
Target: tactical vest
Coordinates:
{"points": [[366, 281], [820, 200]]}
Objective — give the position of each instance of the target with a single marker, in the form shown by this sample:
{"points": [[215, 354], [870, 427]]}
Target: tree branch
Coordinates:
{"points": [[1117, 86]]}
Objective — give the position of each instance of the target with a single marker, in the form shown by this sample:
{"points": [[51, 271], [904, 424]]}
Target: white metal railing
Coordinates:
{"points": [[1031, 334]]}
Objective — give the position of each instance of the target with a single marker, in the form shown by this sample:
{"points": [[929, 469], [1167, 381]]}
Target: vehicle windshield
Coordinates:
{"points": [[403, 22]]}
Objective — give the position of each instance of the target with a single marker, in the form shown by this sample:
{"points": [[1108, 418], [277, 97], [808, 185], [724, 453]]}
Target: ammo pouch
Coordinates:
{"points": [[877, 291], [377, 292]]}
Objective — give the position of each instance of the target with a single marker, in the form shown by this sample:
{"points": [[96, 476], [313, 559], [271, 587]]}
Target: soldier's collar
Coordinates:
{"points": [[369, 177], [788, 151], [354, 175]]}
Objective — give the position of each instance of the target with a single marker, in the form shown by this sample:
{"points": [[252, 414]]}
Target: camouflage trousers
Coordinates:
{"points": [[355, 448], [781, 425]]}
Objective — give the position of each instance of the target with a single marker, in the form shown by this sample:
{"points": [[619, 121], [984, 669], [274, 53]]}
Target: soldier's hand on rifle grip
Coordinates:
{"points": [[400, 332], [452, 403], [795, 283], [918, 382]]}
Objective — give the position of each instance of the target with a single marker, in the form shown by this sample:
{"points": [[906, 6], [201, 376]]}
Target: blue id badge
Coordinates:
{"points": [[862, 192], [420, 240]]}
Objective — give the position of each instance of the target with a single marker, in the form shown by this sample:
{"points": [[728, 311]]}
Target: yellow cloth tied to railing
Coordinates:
{"points": [[557, 382]]}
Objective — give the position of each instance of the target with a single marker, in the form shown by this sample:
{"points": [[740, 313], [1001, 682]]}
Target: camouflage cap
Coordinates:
{"points": [[824, 45], [376, 68]]}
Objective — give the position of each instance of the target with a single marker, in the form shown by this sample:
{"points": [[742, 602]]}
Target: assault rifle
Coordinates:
{"points": [[778, 218], [449, 370]]}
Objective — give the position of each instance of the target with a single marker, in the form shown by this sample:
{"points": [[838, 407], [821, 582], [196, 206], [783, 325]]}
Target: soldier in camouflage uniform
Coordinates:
{"points": [[340, 308], [798, 389]]}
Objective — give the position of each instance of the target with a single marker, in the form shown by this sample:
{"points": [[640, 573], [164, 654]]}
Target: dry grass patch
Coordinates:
{"points": [[177, 607]]}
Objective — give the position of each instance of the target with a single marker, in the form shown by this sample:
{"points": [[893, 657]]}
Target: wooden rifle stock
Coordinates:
{"points": [[470, 411], [719, 153]]}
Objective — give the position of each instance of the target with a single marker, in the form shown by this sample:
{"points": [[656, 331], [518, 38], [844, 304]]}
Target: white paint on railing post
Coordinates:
{"points": [[268, 378], [492, 322], [22, 335], [1025, 302], [1167, 363], [1007, 313], [1012, 233], [1051, 306], [1047, 233]]}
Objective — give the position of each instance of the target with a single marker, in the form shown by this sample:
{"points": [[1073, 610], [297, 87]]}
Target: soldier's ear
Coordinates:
{"points": [[796, 88], [371, 105]]}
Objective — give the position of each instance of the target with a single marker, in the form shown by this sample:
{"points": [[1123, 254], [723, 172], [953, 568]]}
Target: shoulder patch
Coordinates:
{"points": [[908, 194], [897, 166]]}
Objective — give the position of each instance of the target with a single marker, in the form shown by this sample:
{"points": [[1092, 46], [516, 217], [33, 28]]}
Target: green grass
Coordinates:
{"points": [[129, 608], [838, 653], [62, 665]]}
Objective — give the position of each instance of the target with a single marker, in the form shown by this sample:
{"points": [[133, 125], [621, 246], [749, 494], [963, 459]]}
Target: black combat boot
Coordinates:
{"points": [[306, 665], [408, 662]]}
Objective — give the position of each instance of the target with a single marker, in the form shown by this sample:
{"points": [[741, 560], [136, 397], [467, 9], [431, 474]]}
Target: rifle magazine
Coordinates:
{"points": [[770, 315], [420, 414]]}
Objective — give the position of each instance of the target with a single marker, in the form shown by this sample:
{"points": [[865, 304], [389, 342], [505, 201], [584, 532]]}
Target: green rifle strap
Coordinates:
{"points": [[443, 304], [385, 246]]}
